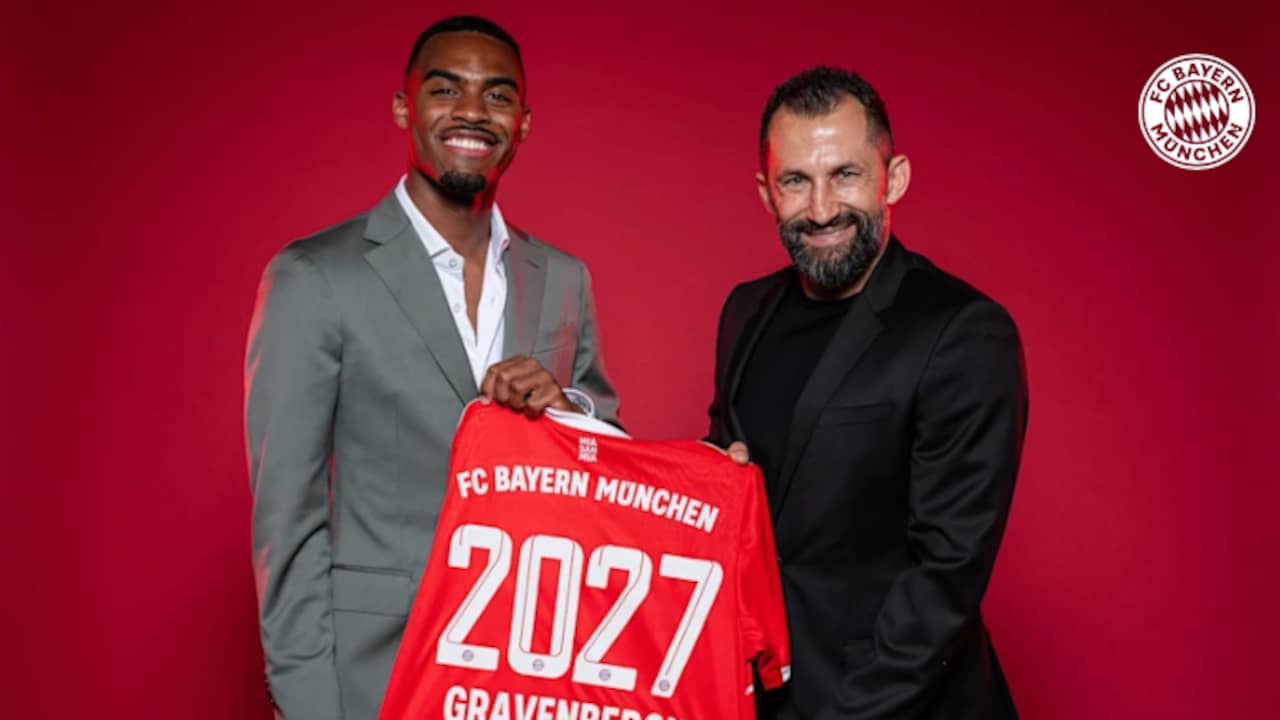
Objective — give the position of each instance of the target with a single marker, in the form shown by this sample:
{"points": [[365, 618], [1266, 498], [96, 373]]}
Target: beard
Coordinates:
{"points": [[460, 186], [838, 266]]}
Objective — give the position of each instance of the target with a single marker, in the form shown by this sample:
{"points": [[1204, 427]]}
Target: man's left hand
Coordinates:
{"points": [[522, 384]]}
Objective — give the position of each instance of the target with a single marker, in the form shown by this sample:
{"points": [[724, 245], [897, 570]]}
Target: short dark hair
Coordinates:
{"points": [[816, 92], [463, 23]]}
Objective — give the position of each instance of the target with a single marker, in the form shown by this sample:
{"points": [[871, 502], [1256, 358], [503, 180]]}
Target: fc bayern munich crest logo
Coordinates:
{"points": [[1196, 111]]}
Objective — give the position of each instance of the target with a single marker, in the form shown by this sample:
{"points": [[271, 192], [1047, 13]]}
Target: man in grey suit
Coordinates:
{"points": [[367, 341]]}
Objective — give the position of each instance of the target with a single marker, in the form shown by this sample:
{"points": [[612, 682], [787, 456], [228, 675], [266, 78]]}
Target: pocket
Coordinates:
{"points": [[556, 353], [371, 590], [556, 339], [849, 414], [552, 349], [858, 653]]}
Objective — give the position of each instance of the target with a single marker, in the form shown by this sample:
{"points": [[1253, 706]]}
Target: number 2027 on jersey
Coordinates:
{"points": [[581, 575]]}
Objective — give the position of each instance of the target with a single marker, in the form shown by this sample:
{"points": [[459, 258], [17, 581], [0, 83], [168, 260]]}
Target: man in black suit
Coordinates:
{"points": [[886, 402]]}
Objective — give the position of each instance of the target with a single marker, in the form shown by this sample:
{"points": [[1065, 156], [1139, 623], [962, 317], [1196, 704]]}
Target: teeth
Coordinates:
{"points": [[466, 143]]}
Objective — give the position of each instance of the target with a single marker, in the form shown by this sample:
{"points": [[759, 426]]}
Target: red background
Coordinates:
{"points": [[158, 154]]}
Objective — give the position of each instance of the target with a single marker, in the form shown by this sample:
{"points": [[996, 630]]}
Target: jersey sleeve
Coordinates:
{"points": [[761, 611]]}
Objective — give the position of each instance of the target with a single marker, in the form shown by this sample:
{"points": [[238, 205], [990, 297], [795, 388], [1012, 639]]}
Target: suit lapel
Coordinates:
{"points": [[526, 281], [400, 258], [858, 330], [746, 344]]}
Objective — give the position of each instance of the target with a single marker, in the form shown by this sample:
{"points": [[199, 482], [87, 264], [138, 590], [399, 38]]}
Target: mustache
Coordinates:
{"points": [[481, 129], [848, 218]]}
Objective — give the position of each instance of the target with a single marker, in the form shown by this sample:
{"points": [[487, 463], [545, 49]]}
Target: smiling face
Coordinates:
{"points": [[829, 186], [463, 107]]}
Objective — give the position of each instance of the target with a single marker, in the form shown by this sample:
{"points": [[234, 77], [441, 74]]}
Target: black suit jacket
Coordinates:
{"points": [[894, 490]]}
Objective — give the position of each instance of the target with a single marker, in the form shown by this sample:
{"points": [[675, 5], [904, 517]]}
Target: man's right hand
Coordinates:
{"points": [[738, 451], [524, 385]]}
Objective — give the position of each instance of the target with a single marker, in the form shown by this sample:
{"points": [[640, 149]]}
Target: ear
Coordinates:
{"points": [[899, 179], [762, 185], [524, 124], [400, 109]]}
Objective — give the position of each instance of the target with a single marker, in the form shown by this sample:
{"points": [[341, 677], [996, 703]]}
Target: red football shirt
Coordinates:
{"points": [[581, 575]]}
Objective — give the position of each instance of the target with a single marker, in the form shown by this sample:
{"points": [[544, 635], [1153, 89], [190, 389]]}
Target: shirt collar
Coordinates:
{"points": [[499, 237]]}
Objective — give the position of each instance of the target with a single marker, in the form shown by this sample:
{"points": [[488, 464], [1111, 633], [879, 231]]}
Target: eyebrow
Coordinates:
{"points": [[451, 77], [501, 80], [856, 167], [796, 172], [489, 82]]}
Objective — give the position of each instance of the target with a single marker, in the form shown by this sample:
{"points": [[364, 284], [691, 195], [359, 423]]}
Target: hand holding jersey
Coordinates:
{"points": [[524, 385]]}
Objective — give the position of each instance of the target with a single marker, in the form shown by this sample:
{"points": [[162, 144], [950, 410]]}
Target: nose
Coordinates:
{"points": [[471, 108], [822, 205]]}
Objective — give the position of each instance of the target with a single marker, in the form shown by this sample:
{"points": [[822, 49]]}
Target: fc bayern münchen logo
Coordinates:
{"points": [[1196, 111]]}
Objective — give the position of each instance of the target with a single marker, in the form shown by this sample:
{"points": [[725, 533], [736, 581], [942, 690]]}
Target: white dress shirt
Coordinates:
{"points": [[483, 342]]}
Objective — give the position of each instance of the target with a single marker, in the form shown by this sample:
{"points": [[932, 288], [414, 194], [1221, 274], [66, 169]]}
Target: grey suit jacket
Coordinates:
{"points": [[355, 379]]}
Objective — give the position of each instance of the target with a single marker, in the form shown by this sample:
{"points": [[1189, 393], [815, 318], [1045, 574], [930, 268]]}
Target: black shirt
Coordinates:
{"points": [[776, 373]]}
